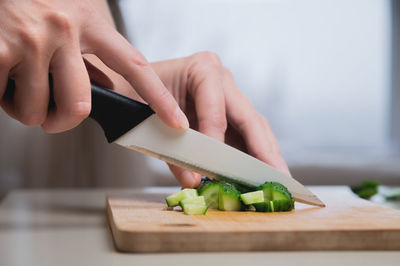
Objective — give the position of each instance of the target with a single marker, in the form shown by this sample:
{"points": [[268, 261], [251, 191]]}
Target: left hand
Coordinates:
{"points": [[206, 91]]}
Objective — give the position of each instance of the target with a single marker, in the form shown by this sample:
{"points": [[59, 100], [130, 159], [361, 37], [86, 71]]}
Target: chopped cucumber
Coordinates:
{"points": [[252, 197], [283, 205], [276, 197], [189, 208], [264, 206], [274, 206], [221, 196], [269, 197], [229, 199], [175, 198], [267, 189], [210, 191], [274, 191], [196, 200]]}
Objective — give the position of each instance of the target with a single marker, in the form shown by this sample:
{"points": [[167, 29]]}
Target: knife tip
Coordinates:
{"points": [[313, 200]]}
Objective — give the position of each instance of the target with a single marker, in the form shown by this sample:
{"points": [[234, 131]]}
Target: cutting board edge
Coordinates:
{"points": [[155, 242]]}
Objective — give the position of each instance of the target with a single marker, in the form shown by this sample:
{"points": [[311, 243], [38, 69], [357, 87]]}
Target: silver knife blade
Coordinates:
{"points": [[199, 153]]}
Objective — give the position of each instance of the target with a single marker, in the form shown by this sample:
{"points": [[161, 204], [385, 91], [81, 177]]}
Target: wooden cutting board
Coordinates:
{"points": [[142, 223]]}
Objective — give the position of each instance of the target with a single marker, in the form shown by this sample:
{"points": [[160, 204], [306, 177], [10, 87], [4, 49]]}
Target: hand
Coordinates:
{"points": [[207, 93], [42, 36]]}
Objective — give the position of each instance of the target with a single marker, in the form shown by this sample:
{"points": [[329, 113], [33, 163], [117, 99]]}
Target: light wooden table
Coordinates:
{"points": [[68, 227]]}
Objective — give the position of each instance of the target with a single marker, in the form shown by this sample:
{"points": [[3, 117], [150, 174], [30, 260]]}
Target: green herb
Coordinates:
{"points": [[367, 189]]}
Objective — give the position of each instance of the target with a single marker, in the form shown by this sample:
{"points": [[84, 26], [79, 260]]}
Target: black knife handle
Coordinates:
{"points": [[115, 113]]}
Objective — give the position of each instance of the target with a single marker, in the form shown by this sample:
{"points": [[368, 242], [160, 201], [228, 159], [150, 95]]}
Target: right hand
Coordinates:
{"points": [[38, 37]]}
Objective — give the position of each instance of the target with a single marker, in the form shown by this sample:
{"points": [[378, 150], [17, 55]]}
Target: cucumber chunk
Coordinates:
{"points": [[174, 199], [229, 198], [275, 191], [196, 200], [190, 209], [252, 197], [221, 196], [282, 205], [210, 191], [267, 189], [264, 206], [274, 206], [277, 198]]}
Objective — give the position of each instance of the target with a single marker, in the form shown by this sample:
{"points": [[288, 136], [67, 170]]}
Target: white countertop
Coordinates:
{"points": [[69, 227]]}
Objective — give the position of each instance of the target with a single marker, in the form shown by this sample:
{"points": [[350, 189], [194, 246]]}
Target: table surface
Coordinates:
{"points": [[69, 227]]}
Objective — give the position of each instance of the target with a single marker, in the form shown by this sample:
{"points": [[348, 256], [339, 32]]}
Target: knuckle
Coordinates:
{"points": [[227, 72], [79, 110], [243, 125], [135, 62], [5, 56], [31, 38], [209, 58], [60, 21], [163, 97], [30, 118], [138, 59], [218, 122]]}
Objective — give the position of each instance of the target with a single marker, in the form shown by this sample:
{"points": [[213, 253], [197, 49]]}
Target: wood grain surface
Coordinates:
{"points": [[142, 223]]}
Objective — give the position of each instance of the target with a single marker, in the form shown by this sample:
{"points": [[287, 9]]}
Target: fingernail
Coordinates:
{"points": [[188, 179], [181, 118]]}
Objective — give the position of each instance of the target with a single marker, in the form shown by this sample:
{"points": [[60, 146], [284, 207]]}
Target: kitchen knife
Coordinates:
{"points": [[134, 125]]}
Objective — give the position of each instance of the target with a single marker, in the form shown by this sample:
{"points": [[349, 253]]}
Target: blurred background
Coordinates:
{"points": [[325, 74]]}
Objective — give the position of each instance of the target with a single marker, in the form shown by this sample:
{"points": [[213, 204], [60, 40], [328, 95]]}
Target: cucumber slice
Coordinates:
{"points": [[279, 191], [277, 198], [264, 206], [189, 208], [267, 189], [196, 200], [173, 200], [274, 191], [210, 191], [252, 197], [205, 182], [274, 206], [229, 198], [283, 205]]}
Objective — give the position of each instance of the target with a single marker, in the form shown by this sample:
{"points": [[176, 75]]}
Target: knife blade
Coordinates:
{"points": [[199, 153], [188, 149], [135, 126]]}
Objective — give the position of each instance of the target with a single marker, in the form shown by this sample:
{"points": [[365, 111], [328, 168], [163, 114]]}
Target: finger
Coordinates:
{"points": [[185, 178], [7, 62], [116, 52], [7, 93], [278, 161], [102, 75], [206, 88], [259, 138], [5, 66], [31, 93], [71, 89]]}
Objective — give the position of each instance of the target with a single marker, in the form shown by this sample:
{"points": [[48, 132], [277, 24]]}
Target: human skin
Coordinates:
{"points": [[42, 36], [77, 41]]}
